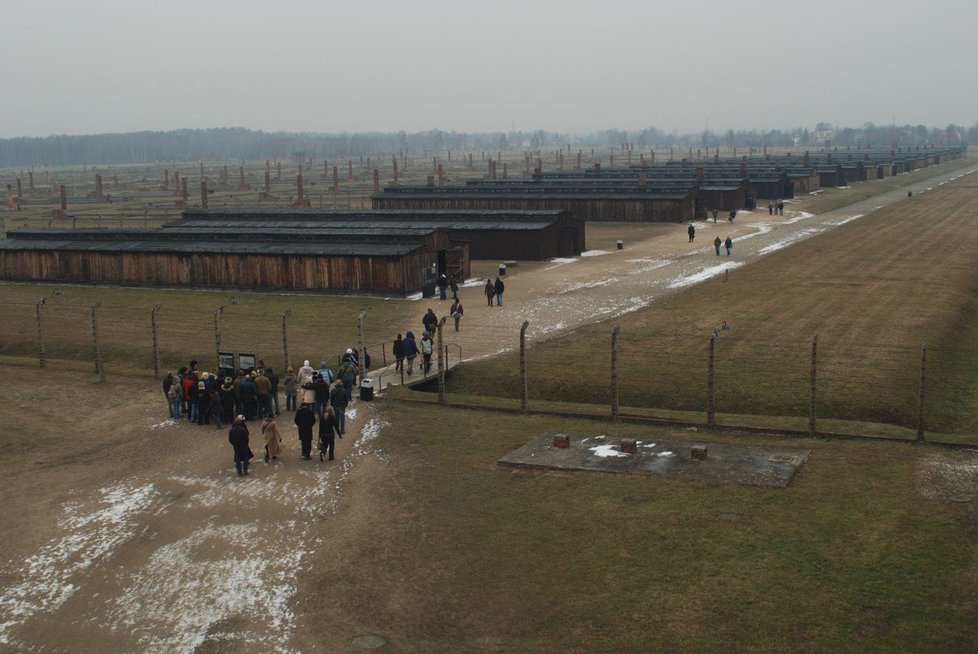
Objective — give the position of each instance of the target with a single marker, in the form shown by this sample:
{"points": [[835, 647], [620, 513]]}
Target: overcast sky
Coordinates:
{"points": [[80, 67]]}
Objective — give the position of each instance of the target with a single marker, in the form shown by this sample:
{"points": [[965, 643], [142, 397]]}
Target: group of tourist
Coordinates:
{"points": [[717, 243], [316, 396]]}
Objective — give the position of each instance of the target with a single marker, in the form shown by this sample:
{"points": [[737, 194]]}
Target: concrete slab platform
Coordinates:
{"points": [[753, 465]]}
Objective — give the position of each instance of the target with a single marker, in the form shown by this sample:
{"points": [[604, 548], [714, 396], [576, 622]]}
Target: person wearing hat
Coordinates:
{"points": [[328, 431], [238, 437], [305, 373], [304, 421], [226, 391], [347, 373]]}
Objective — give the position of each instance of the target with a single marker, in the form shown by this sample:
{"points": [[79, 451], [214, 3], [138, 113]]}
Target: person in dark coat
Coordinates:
{"points": [[430, 321], [490, 291], [716, 245], [328, 431], [499, 287], [167, 383], [733, 214], [339, 399], [203, 403], [273, 378], [238, 437], [692, 233], [729, 245], [410, 351], [227, 399], [398, 353], [442, 286], [715, 212], [321, 388], [453, 284], [305, 419], [215, 410], [457, 312], [249, 397]]}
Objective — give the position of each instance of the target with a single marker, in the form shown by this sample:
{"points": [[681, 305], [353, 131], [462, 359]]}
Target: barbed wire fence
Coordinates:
{"points": [[720, 373]]}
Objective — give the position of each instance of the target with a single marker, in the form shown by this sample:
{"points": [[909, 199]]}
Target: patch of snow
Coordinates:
{"points": [[845, 220], [593, 253], [787, 240], [706, 273], [802, 215], [475, 281], [607, 451], [170, 422], [563, 260], [649, 445], [666, 453], [414, 296], [762, 228], [49, 576]]}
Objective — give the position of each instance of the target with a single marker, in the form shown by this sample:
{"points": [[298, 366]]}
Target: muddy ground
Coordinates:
{"points": [[125, 531]]}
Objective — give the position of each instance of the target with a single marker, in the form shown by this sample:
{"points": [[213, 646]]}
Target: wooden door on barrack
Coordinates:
{"points": [[454, 263]]}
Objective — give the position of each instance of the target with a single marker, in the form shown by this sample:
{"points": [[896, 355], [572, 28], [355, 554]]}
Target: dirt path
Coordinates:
{"points": [[566, 293], [159, 546], [142, 538]]}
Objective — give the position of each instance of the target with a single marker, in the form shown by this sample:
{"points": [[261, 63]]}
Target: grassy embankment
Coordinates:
{"points": [[446, 551], [873, 290]]}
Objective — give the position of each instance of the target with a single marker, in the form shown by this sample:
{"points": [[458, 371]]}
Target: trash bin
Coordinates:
{"points": [[502, 270], [367, 390], [621, 245]]}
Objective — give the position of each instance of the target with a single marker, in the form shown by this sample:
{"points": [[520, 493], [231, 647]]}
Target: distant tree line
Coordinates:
{"points": [[229, 144]]}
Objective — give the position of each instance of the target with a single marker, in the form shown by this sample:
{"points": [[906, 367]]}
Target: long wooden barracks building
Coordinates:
{"points": [[296, 250]]}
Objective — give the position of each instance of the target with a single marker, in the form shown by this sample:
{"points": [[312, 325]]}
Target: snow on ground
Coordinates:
{"points": [[605, 451], [703, 275], [91, 536], [592, 253], [788, 240], [802, 215], [843, 221]]}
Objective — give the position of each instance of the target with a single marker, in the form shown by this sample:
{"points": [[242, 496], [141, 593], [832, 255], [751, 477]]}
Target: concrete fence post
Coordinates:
{"points": [[923, 387], [217, 334], [523, 384], [812, 430], [156, 338], [441, 362], [711, 401], [42, 353], [363, 349], [285, 336], [99, 367], [614, 374]]}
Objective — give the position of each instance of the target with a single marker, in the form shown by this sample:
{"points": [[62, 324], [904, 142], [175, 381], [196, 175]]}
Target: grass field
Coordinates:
{"points": [[874, 290], [450, 552]]}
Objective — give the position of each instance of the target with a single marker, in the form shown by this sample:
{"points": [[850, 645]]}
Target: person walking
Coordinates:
{"points": [[398, 353], [715, 212], [238, 437], [729, 245], [770, 208], [347, 373], [430, 321], [692, 232], [427, 347], [453, 285], [321, 389], [410, 351], [733, 214], [273, 438], [167, 385], [174, 396], [499, 287], [490, 291], [780, 208], [339, 399], [328, 431], [716, 245], [457, 312], [304, 420], [289, 384]]}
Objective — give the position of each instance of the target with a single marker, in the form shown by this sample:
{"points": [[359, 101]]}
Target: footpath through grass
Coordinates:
{"points": [[460, 554], [873, 290]]}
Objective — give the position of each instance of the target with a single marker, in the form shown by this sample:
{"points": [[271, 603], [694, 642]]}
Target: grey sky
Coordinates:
{"points": [[77, 66]]}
